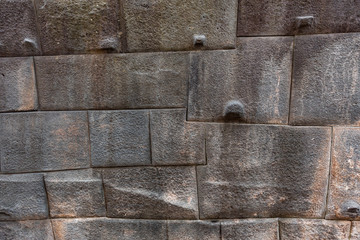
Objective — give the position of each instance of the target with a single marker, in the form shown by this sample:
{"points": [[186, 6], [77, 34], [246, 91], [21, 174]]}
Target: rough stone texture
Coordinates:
{"points": [[344, 195], [171, 24], [355, 231], [288, 17], [175, 141], [119, 138], [17, 84], [299, 229], [22, 197], [29, 230], [264, 171], [41, 141], [250, 229], [18, 33], [75, 194], [193, 230], [79, 26], [149, 192], [145, 80], [256, 76], [104, 228], [325, 84]]}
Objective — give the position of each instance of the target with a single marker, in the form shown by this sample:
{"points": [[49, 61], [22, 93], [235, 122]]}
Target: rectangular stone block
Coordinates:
{"points": [[264, 171], [23, 197], [19, 35], [175, 141], [17, 84], [325, 80], [119, 138], [79, 26], [43, 141], [177, 25], [151, 193], [355, 231], [29, 230], [121, 81], [193, 230], [250, 84]]}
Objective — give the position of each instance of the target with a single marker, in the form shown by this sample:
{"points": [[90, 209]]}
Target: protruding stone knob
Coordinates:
{"points": [[350, 209], [199, 40], [234, 109]]}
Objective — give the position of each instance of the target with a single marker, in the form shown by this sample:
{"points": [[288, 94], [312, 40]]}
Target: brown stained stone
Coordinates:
{"points": [[250, 84], [17, 84], [300, 229], [116, 81], [355, 231], [79, 26], [193, 230], [165, 25], [175, 141], [325, 89], [264, 171], [151, 193], [42, 141], [29, 230]]}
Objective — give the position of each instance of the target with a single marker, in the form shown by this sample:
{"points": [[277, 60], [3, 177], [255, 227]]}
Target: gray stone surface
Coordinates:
{"points": [[172, 24], [151, 192], [29, 230], [42, 141], [23, 197], [17, 84], [264, 171], [175, 141], [355, 231], [250, 84], [325, 80], [119, 138], [116, 81], [193, 230]]}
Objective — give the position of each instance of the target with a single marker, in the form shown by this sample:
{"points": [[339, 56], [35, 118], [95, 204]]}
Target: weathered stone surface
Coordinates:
{"points": [[75, 194], [287, 17], [29, 230], [17, 84], [105, 228], [175, 141], [22, 197], [325, 81], [250, 84], [119, 138], [344, 195], [149, 192], [145, 80], [174, 25], [264, 171], [355, 231], [41, 141], [193, 230], [250, 229], [18, 33], [79, 26], [293, 229]]}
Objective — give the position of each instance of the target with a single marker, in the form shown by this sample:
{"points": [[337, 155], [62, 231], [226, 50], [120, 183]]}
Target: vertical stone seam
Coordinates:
{"points": [[52, 229], [351, 227], [36, 86], [197, 191], [37, 26], [89, 139], [329, 173], [167, 229], [220, 230], [47, 197], [103, 186], [291, 79], [122, 19], [188, 85], [205, 147], [278, 230], [150, 135]]}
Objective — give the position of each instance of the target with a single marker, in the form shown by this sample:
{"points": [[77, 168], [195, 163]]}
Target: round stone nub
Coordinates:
{"points": [[234, 110], [199, 40], [350, 209]]}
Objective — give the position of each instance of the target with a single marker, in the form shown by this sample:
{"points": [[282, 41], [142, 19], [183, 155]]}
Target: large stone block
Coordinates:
{"points": [[250, 84], [29, 230], [175, 141], [19, 35], [149, 192], [325, 80], [23, 197], [17, 84], [42, 141], [193, 230], [119, 138], [176, 25], [145, 80], [264, 171], [79, 26]]}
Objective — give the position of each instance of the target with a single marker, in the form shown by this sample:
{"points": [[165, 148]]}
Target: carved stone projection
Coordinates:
{"points": [[32, 230]]}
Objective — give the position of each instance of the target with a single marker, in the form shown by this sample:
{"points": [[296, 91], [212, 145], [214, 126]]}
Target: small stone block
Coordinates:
{"points": [[29, 230], [193, 230]]}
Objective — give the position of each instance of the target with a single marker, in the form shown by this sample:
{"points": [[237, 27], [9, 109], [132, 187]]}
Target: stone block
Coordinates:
{"points": [[175, 141], [149, 192], [119, 138], [264, 171], [113, 81], [43, 141], [23, 197], [325, 80], [29, 230], [193, 230], [355, 231], [250, 84], [17, 84]]}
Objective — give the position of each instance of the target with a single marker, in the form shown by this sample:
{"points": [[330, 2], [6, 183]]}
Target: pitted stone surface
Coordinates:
{"points": [[355, 231], [29, 230], [193, 230]]}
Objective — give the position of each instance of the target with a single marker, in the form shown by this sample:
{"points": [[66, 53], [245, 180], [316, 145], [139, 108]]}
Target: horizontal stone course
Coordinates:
{"points": [[29, 230], [193, 230]]}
